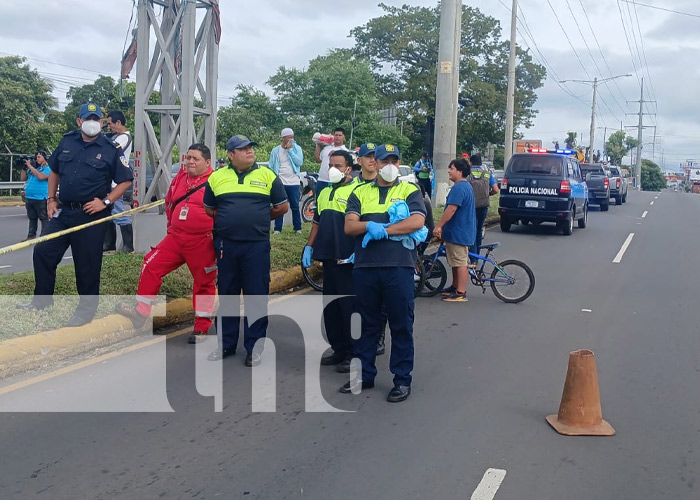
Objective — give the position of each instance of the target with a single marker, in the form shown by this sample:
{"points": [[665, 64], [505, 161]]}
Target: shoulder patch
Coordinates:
{"points": [[124, 161]]}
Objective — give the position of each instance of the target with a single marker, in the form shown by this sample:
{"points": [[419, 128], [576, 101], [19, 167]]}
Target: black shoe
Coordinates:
{"points": [[197, 337], [76, 320], [252, 359], [344, 365], [220, 354], [27, 306], [137, 319], [332, 359], [348, 386], [399, 393]]}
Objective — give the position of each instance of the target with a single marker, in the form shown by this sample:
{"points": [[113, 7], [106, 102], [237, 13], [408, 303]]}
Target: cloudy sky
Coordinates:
{"points": [[71, 42]]}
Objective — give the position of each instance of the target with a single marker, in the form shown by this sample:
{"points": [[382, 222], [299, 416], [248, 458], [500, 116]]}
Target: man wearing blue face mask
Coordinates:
{"points": [[83, 165], [384, 268]]}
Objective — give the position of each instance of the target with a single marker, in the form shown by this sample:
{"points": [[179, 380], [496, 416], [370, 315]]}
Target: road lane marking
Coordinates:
{"points": [[4, 267], [14, 215], [83, 364], [586, 310], [652, 202], [489, 484], [618, 257], [644, 214]]}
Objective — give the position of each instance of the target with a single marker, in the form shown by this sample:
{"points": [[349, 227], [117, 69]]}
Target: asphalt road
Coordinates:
{"points": [[486, 375]]}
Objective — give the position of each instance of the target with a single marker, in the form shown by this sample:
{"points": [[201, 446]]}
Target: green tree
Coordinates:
{"points": [[570, 140], [405, 42], [618, 145], [652, 177]]}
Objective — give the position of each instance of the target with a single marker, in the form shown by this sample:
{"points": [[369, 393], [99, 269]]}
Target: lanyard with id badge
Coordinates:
{"points": [[186, 209]]}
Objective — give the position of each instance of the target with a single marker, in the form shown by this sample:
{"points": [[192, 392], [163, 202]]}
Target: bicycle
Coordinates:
{"points": [[512, 281], [314, 276]]}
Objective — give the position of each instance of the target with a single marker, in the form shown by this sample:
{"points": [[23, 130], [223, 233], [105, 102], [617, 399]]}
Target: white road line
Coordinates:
{"points": [[652, 202], [489, 484], [586, 310], [644, 214], [618, 257], [14, 215], [4, 267]]}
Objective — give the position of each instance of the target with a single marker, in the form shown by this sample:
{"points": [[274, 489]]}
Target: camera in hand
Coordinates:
{"points": [[24, 158]]}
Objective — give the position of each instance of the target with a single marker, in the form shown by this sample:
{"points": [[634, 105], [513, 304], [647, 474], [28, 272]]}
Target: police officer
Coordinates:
{"points": [[328, 243], [383, 271], [243, 199], [83, 166]]}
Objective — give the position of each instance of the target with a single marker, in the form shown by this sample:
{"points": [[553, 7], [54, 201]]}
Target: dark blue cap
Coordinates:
{"points": [[88, 109], [366, 149], [238, 142], [385, 150]]}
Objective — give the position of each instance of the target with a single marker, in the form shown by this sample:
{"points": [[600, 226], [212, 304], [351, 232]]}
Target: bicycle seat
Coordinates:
{"points": [[490, 246]]}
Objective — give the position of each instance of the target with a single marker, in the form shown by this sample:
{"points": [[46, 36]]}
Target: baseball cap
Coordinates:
{"points": [[366, 148], [385, 150], [286, 131], [238, 142], [89, 108], [425, 153]]}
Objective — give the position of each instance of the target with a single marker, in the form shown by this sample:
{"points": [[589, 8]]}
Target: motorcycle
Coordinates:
{"points": [[307, 201]]}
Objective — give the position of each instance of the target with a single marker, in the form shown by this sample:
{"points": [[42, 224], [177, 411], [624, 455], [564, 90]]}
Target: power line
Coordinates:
{"points": [[661, 8], [629, 46]]}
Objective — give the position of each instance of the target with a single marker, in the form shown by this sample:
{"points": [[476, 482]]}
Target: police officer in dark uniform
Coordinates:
{"points": [[329, 244], [243, 199], [83, 166], [384, 269]]}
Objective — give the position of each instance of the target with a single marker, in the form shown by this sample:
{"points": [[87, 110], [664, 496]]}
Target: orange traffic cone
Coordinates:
{"points": [[579, 412]]}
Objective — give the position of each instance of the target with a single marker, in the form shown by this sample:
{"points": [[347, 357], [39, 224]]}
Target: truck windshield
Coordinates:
{"points": [[535, 164]]}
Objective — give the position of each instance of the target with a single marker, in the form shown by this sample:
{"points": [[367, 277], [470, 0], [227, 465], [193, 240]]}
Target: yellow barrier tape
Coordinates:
{"points": [[25, 244]]}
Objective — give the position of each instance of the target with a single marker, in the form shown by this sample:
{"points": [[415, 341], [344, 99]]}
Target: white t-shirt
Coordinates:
{"points": [[122, 140], [325, 160], [286, 173]]}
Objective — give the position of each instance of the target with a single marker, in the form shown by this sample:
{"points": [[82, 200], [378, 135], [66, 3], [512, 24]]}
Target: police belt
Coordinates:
{"points": [[74, 205]]}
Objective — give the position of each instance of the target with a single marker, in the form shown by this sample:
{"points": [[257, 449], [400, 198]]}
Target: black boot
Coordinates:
{"points": [[127, 238], [381, 348], [110, 244]]}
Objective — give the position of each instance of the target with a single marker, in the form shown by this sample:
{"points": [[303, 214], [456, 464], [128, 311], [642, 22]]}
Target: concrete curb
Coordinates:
{"points": [[22, 354]]}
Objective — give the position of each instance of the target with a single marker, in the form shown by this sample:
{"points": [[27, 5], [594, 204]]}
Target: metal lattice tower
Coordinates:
{"points": [[183, 58]]}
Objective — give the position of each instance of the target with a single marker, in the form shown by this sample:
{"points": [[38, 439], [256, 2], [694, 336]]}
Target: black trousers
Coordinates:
{"points": [[427, 185], [86, 246], [36, 211], [337, 280]]}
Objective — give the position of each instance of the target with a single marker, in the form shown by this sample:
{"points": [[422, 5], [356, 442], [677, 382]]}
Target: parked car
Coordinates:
{"points": [[406, 174], [598, 184], [543, 187], [618, 185]]}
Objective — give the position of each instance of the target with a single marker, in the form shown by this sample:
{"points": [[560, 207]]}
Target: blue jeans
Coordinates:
{"points": [[293, 194], [480, 218]]}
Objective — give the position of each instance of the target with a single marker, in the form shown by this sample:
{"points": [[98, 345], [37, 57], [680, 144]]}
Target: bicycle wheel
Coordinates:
{"points": [[418, 278], [516, 284], [313, 275], [435, 276]]}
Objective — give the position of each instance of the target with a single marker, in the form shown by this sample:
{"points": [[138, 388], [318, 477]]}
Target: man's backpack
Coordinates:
{"points": [[480, 182]]}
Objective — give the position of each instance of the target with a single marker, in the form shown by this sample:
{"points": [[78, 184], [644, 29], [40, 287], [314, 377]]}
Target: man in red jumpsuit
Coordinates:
{"points": [[188, 241]]}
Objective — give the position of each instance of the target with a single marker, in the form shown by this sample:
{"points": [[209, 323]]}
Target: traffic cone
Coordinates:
{"points": [[580, 413]]}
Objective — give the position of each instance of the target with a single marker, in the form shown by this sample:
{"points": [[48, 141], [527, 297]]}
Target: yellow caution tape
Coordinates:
{"points": [[25, 244]]}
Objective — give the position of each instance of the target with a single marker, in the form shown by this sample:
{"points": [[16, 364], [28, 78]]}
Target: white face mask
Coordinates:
{"points": [[389, 172], [335, 175], [91, 128]]}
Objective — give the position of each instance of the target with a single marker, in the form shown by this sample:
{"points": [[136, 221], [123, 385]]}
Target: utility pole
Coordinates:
{"points": [[446, 96], [510, 97], [638, 169], [595, 83], [182, 47], [352, 125]]}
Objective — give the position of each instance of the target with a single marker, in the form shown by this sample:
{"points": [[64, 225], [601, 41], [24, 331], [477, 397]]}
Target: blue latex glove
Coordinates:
{"points": [[351, 259], [306, 256], [375, 231]]}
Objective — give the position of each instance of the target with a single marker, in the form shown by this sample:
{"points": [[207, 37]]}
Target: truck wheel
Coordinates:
{"points": [[618, 200], [505, 224], [567, 226], [583, 221], [604, 206]]}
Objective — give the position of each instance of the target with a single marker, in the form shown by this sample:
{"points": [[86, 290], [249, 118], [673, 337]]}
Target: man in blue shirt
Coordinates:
{"points": [[423, 169], [457, 228], [36, 191]]}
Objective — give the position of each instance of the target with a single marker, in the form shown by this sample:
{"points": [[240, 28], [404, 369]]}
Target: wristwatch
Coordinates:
{"points": [[107, 202]]}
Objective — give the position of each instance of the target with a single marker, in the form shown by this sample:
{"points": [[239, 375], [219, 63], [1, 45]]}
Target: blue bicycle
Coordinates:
{"points": [[512, 281]]}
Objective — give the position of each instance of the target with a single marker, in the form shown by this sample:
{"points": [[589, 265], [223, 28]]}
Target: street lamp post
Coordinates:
{"points": [[595, 83]]}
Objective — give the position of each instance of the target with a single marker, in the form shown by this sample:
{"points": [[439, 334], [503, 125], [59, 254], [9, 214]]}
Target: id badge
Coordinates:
{"points": [[183, 213]]}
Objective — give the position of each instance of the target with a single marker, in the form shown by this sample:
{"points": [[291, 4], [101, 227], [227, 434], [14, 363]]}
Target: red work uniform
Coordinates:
{"points": [[188, 241]]}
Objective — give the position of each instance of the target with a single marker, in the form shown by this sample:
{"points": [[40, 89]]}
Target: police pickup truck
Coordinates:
{"points": [[544, 186]]}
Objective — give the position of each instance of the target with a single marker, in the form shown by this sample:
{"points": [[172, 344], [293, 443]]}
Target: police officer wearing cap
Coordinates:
{"points": [[384, 269], [243, 199], [83, 166], [329, 244]]}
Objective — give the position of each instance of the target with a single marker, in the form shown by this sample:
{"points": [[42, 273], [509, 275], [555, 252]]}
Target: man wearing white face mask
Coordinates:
{"points": [[383, 271], [84, 164], [329, 244]]}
